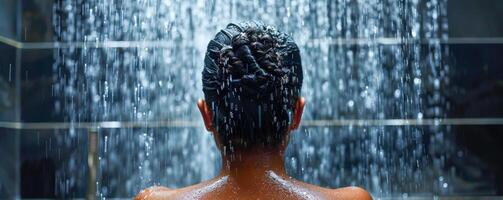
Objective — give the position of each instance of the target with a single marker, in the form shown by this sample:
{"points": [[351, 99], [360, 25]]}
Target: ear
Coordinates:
{"points": [[297, 113], [206, 114]]}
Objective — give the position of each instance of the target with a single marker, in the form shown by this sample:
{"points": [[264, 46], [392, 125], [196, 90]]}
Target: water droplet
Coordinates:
{"points": [[436, 83], [417, 81], [351, 103], [397, 93], [419, 115]]}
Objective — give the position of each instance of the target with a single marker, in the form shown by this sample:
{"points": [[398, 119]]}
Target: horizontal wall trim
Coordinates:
{"points": [[305, 123], [166, 44]]}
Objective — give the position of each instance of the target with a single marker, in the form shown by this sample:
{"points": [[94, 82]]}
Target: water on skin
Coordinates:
{"points": [[271, 185], [157, 77], [199, 193], [292, 188]]}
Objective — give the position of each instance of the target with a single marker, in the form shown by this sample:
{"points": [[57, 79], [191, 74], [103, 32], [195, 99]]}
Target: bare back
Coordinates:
{"points": [[273, 186]]}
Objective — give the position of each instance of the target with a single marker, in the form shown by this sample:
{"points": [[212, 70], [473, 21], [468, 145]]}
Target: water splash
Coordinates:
{"points": [[351, 72]]}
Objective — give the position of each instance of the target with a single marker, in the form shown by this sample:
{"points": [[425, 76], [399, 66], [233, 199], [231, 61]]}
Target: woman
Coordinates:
{"points": [[251, 82]]}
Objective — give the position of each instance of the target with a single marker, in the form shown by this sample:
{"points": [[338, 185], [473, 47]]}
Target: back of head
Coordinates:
{"points": [[252, 78]]}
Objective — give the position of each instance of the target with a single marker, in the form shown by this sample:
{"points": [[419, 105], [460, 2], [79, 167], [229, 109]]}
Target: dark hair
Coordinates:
{"points": [[252, 78]]}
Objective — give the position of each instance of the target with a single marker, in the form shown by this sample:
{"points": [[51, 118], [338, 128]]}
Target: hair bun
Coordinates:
{"points": [[252, 78], [252, 60]]}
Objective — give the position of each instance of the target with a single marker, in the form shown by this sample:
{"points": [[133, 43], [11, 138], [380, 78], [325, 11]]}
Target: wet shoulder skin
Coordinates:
{"points": [[223, 188]]}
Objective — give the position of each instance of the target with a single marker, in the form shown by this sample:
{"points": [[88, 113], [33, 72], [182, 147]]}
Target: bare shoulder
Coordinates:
{"points": [[345, 193], [163, 193], [153, 193], [350, 193]]}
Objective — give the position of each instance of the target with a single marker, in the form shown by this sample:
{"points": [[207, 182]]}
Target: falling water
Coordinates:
{"points": [[140, 61]]}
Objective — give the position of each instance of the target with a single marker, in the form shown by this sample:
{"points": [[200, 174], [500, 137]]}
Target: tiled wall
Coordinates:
{"points": [[9, 138], [23, 21], [9, 159], [26, 94], [10, 17]]}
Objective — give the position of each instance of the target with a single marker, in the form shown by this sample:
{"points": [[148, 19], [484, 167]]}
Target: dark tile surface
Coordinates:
{"points": [[9, 159], [482, 18], [476, 86], [36, 21], [37, 100], [484, 143], [53, 163], [27, 20], [8, 93], [8, 18]]}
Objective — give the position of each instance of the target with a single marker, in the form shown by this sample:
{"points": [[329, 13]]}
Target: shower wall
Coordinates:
{"points": [[144, 78], [9, 106], [140, 62]]}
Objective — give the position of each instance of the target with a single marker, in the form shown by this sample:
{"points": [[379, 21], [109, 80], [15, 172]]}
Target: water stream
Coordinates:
{"points": [[363, 59]]}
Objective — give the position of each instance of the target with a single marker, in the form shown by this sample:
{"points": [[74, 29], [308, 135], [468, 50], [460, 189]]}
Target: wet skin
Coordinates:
{"points": [[256, 173], [273, 187]]}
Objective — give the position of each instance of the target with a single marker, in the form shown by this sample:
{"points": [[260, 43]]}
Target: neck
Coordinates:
{"points": [[248, 166]]}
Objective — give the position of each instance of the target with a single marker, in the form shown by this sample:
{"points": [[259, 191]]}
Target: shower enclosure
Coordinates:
{"points": [[97, 97]]}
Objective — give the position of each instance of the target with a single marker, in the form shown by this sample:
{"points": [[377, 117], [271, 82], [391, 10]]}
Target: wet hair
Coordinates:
{"points": [[252, 78]]}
